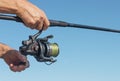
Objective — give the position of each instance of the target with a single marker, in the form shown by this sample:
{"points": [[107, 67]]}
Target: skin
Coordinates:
{"points": [[33, 17], [13, 58]]}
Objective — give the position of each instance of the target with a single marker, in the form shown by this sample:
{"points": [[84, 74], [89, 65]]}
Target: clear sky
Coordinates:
{"points": [[85, 55]]}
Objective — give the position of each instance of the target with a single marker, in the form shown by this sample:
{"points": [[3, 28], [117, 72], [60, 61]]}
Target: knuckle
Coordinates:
{"points": [[31, 23], [41, 18]]}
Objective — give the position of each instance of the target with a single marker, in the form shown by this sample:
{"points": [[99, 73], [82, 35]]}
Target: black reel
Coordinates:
{"points": [[40, 48]]}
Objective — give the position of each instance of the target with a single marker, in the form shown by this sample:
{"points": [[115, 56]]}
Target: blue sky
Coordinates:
{"points": [[85, 55]]}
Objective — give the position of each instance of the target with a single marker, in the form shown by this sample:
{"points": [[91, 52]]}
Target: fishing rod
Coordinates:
{"points": [[40, 48], [57, 23]]}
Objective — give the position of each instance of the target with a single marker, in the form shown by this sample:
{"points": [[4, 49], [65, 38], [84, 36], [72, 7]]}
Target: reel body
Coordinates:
{"points": [[40, 48]]}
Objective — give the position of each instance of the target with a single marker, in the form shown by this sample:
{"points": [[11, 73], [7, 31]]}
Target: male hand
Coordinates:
{"points": [[15, 60], [31, 15]]}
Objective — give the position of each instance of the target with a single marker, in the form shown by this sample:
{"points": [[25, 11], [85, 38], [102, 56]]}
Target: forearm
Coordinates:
{"points": [[8, 6], [4, 49]]}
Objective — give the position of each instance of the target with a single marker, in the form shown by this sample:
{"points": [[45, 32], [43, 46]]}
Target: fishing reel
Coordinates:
{"points": [[40, 48]]}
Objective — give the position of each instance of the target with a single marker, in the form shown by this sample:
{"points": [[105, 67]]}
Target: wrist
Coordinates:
{"points": [[9, 6]]}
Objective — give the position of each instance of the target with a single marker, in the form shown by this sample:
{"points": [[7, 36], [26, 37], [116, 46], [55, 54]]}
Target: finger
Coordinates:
{"points": [[46, 23], [40, 24], [36, 25], [13, 68], [37, 20], [27, 64], [23, 61], [21, 68], [17, 68], [30, 23]]}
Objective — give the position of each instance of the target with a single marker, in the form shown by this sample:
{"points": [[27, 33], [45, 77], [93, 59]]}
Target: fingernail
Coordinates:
{"points": [[11, 65]]}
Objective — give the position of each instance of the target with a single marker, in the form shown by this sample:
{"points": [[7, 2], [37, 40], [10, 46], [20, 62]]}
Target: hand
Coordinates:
{"points": [[15, 60], [31, 15]]}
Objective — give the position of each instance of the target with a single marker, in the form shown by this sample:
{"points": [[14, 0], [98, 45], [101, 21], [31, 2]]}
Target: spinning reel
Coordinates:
{"points": [[40, 48]]}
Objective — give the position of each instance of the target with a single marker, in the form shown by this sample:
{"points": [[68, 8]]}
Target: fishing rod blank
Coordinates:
{"points": [[54, 23]]}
